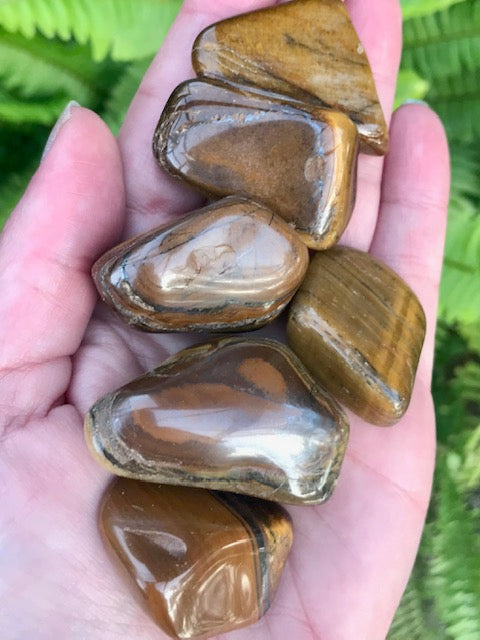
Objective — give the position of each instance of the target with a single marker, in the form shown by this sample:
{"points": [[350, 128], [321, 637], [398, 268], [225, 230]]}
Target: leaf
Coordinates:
{"points": [[124, 29], [456, 99], [11, 191], [20, 111], [410, 86], [117, 105], [453, 547], [39, 68], [415, 8], [410, 622], [446, 43]]}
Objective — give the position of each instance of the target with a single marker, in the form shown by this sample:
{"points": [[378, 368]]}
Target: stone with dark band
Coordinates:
{"points": [[359, 329], [236, 415], [205, 563], [307, 49], [231, 266], [299, 160]]}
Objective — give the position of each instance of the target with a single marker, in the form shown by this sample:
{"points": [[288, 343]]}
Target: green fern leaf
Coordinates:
{"points": [[410, 86], [411, 622], [460, 290], [453, 546], [456, 99], [444, 43], [11, 191], [415, 8], [117, 105], [465, 166], [125, 29], [41, 68], [16, 112]]}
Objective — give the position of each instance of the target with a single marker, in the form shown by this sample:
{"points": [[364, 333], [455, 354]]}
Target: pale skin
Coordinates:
{"points": [[61, 350]]}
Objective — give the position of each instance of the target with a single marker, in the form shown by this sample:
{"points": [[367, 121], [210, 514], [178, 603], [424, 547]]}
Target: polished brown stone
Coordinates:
{"points": [[359, 329], [234, 414], [206, 563], [299, 160], [307, 49], [233, 265]]}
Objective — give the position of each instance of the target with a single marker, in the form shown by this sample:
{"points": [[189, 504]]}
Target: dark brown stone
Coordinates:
{"points": [[359, 329], [298, 160], [230, 266], [234, 414], [307, 49], [206, 563]]}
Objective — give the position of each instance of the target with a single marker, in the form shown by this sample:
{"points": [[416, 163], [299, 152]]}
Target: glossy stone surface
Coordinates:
{"points": [[359, 329], [205, 563], [300, 162], [234, 414], [233, 265], [307, 49]]}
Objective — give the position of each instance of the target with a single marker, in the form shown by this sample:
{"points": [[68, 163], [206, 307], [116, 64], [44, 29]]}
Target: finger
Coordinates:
{"points": [[71, 211], [152, 195], [379, 26], [410, 232]]}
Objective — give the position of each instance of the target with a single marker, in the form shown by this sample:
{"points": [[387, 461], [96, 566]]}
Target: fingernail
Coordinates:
{"points": [[415, 101], [64, 117]]}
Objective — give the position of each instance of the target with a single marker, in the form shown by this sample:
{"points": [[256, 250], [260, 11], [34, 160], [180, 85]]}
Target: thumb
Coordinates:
{"points": [[72, 210]]}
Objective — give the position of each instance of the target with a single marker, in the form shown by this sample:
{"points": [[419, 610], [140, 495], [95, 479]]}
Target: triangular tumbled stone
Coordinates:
{"points": [[206, 563], [235, 415], [299, 160], [229, 266], [307, 49]]}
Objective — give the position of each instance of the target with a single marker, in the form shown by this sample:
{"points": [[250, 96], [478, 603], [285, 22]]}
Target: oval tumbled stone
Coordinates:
{"points": [[298, 160], [206, 563], [359, 330], [307, 49], [230, 266], [235, 415]]}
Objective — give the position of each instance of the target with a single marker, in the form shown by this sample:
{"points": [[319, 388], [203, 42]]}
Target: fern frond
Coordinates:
{"points": [[125, 29], [453, 580], [410, 86], [456, 99], [12, 189], [16, 112], [460, 290], [410, 622], [415, 8], [117, 105], [466, 386], [465, 166], [45, 68], [444, 43]]}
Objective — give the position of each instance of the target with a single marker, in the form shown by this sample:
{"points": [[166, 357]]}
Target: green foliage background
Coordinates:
{"points": [[96, 51]]}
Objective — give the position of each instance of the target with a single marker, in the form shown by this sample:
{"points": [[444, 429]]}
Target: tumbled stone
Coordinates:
{"points": [[300, 162], [307, 49], [233, 265], [236, 415], [206, 563], [359, 329]]}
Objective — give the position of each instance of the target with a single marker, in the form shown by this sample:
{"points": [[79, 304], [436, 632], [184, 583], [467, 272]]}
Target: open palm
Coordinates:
{"points": [[60, 351]]}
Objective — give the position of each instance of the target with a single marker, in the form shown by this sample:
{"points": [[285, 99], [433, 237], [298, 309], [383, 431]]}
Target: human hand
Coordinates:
{"points": [[60, 351]]}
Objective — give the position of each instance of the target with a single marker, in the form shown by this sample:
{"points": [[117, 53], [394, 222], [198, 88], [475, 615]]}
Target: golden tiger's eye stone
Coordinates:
{"points": [[206, 563], [307, 49], [298, 160], [236, 415], [359, 329], [232, 265]]}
